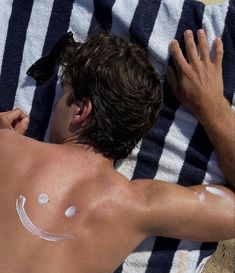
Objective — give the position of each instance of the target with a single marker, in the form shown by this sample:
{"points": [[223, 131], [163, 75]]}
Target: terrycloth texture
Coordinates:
{"points": [[176, 148]]}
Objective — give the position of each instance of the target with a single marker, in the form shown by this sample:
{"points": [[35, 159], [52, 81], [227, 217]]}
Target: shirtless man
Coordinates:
{"points": [[64, 208]]}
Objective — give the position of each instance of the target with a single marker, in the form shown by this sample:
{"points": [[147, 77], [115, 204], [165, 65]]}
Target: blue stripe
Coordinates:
{"points": [[151, 149], [44, 94], [196, 160], [119, 269], [13, 52], [164, 251], [102, 17], [162, 257], [143, 21], [229, 52], [207, 249]]}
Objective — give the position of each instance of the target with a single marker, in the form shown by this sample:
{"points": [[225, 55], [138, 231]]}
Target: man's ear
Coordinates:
{"points": [[82, 111]]}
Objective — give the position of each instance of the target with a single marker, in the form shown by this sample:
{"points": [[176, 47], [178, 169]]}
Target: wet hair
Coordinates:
{"points": [[123, 87]]}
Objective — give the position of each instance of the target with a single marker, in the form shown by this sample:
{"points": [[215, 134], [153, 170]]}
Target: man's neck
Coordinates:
{"points": [[88, 154]]}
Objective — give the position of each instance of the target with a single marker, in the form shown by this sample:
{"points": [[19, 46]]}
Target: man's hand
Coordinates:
{"points": [[15, 120], [198, 85], [200, 82]]}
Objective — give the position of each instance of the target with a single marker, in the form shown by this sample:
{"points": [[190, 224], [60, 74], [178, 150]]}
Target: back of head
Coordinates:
{"points": [[123, 87]]}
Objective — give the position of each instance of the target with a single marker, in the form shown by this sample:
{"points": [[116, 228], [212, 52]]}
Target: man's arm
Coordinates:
{"points": [[199, 86], [204, 213]]}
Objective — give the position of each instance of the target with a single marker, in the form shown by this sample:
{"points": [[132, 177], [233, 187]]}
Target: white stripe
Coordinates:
{"points": [[122, 15], [186, 257], [233, 101], [214, 173], [81, 19], [35, 38], [214, 20], [214, 23], [127, 166], [176, 144], [202, 264], [5, 12], [137, 261], [164, 31]]}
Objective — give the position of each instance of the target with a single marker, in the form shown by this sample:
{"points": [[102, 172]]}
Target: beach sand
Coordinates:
{"points": [[223, 260]]}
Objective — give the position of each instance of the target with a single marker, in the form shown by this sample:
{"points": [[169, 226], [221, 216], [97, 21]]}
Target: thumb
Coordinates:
{"points": [[22, 126]]}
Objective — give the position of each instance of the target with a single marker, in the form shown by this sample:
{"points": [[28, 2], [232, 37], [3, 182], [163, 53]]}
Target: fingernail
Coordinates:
{"points": [[26, 119], [173, 41], [201, 31], [188, 32]]}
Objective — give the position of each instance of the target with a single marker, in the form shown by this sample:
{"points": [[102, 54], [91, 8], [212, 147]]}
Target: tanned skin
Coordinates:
{"points": [[113, 215]]}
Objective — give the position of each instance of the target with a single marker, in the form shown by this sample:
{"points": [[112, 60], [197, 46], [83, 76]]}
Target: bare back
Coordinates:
{"points": [[100, 233], [92, 217]]}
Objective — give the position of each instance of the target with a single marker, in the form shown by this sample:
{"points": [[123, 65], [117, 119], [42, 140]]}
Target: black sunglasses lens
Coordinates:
{"points": [[43, 69]]}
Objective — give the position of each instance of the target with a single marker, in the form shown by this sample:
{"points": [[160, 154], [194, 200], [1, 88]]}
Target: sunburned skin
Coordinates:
{"points": [[20, 202]]}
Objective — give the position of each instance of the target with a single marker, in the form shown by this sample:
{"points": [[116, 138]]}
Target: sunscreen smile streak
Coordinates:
{"points": [[20, 202]]}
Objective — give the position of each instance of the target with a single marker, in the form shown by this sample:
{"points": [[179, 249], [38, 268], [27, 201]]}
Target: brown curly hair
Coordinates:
{"points": [[123, 87]]}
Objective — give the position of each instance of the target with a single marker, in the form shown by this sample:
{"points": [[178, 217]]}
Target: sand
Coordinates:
{"points": [[223, 260]]}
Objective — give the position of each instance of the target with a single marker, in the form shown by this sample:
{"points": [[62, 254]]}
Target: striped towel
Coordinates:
{"points": [[176, 149]]}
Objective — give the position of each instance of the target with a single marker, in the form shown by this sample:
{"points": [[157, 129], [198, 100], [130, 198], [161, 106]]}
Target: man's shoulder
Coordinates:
{"points": [[5, 133], [8, 135], [17, 149], [12, 142]]}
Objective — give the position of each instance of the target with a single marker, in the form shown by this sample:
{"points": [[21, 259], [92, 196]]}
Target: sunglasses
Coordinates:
{"points": [[43, 69]]}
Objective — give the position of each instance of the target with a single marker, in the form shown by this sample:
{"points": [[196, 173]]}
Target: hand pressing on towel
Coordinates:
{"points": [[15, 120], [198, 85]]}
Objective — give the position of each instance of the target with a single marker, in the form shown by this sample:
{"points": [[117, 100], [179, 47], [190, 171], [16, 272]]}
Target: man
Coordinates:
{"points": [[63, 207]]}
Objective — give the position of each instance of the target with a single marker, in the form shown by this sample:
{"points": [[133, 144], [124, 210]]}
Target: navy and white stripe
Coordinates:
{"points": [[176, 149], [13, 51]]}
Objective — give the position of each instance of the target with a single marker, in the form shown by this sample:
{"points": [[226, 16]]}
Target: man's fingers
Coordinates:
{"points": [[5, 123], [15, 114], [203, 46], [178, 57], [219, 52], [190, 46], [22, 126]]}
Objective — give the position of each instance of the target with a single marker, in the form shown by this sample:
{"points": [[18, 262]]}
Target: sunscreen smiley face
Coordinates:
{"points": [[36, 231]]}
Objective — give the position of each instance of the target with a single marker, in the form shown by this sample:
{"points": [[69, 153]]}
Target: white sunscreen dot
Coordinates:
{"points": [[70, 212], [215, 191], [43, 199]]}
